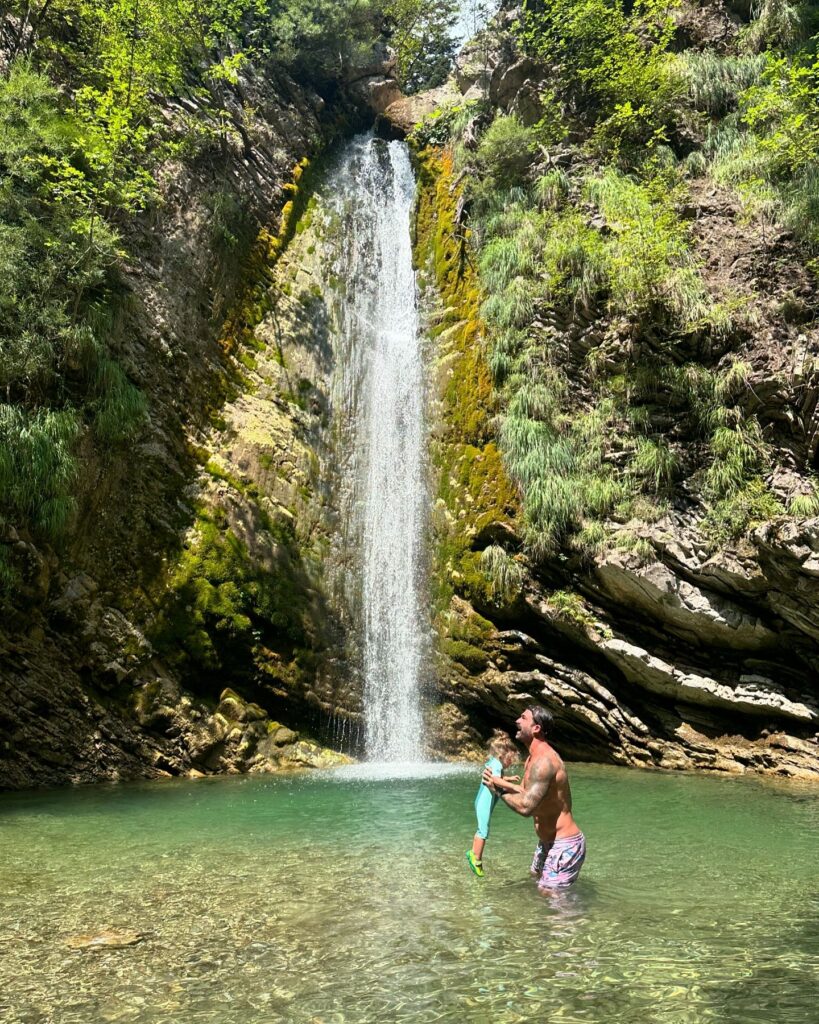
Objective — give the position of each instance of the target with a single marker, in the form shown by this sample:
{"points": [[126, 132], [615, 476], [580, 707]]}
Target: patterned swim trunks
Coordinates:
{"points": [[556, 865]]}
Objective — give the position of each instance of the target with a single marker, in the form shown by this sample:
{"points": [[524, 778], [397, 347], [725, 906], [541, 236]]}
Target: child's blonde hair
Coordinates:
{"points": [[501, 743]]}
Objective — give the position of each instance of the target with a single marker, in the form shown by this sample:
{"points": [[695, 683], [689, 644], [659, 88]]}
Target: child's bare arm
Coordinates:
{"points": [[498, 783]]}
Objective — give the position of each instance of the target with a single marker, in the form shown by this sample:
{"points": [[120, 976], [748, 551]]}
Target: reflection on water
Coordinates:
{"points": [[390, 770], [313, 899]]}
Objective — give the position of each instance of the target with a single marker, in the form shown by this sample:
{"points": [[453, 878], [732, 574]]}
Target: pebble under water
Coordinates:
{"points": [[346, 898]]}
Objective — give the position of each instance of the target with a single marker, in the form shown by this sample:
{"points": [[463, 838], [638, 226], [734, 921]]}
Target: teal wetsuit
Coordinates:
{"points": [[485, 800]]}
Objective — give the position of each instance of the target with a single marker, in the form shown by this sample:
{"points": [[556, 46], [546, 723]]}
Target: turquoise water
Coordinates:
{"points": [[335, 899]]}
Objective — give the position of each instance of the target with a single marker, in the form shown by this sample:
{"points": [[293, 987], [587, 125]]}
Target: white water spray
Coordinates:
{"points": [[380, 392]]}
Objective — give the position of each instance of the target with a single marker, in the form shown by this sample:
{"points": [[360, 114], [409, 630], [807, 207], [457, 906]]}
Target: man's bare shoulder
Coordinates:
{"points": [[543, 767]]}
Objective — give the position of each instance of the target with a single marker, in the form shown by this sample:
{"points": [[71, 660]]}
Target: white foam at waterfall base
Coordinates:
{"points": [[385, 771]]}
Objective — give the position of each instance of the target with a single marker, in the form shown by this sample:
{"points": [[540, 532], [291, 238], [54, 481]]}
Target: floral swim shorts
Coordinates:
{"points": [[556, 865]]}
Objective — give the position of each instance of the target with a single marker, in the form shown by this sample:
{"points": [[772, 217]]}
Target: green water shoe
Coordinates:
{"points": [[474, 863]]}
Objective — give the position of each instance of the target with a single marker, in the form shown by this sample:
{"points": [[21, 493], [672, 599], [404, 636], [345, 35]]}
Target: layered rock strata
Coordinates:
{"points": [[195, 557], [690, 658]]}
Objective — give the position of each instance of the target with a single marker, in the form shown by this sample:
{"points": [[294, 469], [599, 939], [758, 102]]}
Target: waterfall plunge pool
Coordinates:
{"points": [[335, 898]]}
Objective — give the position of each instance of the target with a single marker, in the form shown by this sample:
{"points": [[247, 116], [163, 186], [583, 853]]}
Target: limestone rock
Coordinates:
{"points": [[698, 615], [507, 81], [108, 939], [405, 113], [752, 694]]}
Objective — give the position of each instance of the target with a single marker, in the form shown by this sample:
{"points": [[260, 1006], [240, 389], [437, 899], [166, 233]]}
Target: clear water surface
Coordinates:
{"points": [[346, 898]]}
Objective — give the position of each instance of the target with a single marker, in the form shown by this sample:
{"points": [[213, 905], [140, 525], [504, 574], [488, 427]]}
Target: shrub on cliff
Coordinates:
{"points": [[82, 132], [58, 378], [609, 62], [596, 296]]}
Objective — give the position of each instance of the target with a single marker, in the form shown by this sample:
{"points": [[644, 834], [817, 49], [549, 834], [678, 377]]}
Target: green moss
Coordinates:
{"points": [[473, 485], [256, 301], [220, 473], [441, 245], [216, 605], [305, 221], [472, 658], [474, 491], [572, 608], [466, 624]]}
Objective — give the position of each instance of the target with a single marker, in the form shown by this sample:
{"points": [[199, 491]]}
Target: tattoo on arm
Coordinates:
{"points": [[526, 801]]}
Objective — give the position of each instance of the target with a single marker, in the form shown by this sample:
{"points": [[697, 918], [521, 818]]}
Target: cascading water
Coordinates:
{"points": [[379, 400]]}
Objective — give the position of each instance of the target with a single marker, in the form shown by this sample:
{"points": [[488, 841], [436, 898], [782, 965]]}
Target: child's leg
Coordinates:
{"points": [[477, 846]]}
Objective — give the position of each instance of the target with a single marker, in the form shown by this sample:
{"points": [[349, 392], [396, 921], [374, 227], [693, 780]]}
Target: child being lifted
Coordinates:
{"points": [[502, 754]]}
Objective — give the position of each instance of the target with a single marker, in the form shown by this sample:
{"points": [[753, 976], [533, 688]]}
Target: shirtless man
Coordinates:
{"points": [[546, 797]]}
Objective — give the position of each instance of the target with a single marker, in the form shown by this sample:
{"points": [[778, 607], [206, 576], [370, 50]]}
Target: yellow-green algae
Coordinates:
{"points": [[215, 608], [217, 605], [254, 301], [474, 492]]}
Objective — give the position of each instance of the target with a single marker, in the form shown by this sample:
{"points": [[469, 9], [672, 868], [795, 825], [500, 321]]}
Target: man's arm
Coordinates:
{"points": [[526, 801]]}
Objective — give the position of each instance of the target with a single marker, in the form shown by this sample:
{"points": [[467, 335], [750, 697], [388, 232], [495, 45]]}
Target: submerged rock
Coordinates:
{"points": [[108, 939]]}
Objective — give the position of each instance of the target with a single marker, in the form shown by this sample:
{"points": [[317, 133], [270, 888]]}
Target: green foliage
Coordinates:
{"points": [[56, 253], [505, 151], [655, 462], [539, 258], [716, 81], [38, 467], [505, 574], [552, 188], [770, 152], [649, 262], [738, 453], [611, 60], [81, 136], [423, 41], [709, 397], [442, 125], [605, 233], [740, 512], [776, 24], [782, 111], [570, 607], [559, 461], [805, 505]]}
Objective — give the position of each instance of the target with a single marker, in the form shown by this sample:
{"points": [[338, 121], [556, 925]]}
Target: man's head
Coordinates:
{"points": [[534, 723]]}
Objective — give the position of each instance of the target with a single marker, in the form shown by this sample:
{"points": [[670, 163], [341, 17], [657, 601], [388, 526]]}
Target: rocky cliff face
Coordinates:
{"points": [[683, 652], [196, 557], [199, 561]]}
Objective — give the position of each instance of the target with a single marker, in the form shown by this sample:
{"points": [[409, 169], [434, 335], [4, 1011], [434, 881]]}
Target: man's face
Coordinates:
{"points": [[526, 727]]}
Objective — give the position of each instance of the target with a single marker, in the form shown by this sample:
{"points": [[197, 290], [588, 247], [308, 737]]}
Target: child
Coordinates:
{"points": [[502, 754]]}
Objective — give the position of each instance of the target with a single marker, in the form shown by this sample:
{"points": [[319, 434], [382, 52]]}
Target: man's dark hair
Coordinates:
{"points": [[541, 717]]}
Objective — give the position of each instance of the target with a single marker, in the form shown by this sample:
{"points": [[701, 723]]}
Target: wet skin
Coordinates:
{"points": [[545, 794]]}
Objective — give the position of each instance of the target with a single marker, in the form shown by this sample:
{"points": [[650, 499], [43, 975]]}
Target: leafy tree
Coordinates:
{"points": [[422, 34], [610, 62], [783, 112], [80, 139]]}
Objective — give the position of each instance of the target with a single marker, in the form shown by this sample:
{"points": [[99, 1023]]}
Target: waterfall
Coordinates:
{"points": [[379, 401]]}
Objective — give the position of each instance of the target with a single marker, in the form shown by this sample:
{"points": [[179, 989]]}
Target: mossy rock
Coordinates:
{"points": [[284, 736], [472, 658]]}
